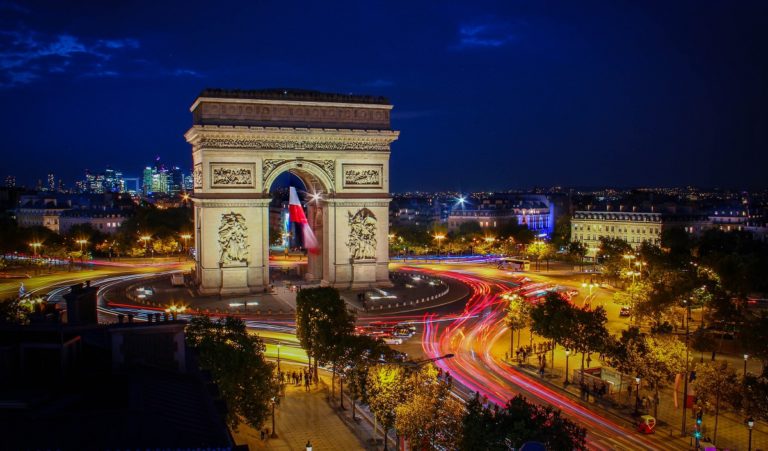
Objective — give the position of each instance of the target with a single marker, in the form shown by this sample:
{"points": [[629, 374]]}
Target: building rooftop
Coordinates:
{"points": [[297, 95]]}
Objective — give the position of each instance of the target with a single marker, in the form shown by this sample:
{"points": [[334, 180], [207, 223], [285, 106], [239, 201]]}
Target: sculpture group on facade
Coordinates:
{"points": [[232, 176], [233, 239], [362, 235], [362, 177]]}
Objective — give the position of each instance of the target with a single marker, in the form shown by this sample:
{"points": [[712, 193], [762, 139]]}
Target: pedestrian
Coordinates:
{"points": [[506, 356], [306, 384]]}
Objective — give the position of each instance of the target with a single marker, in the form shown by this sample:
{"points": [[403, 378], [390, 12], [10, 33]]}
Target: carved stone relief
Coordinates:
{"points": [[231, 175], [295, 144], [197, 176], [362, 175], [362, 235], [233, 240]]}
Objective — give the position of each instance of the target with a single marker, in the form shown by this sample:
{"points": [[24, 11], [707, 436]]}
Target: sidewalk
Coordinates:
{"points": [[302, 416], [732, 433]]}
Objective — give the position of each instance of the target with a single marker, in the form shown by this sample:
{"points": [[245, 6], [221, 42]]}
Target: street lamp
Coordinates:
{"points": [[278, 357], [439, 237], [746, 357], [274, 434], [750, 425], [35, 247], [637, 395], [567, 357], [81, 242], [185, 237]]}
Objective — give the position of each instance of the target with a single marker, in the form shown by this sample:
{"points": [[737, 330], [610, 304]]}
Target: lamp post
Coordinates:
{"points": [[186, 238], [278, 357], [637, 395], [685, 383], [274, 434], [35, 246], [81, 242], [439, 237], [750, 425], [567, 357], [746, 357]]}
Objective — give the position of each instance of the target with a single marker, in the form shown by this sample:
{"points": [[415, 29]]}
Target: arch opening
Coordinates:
{"points": [[290, 257]]}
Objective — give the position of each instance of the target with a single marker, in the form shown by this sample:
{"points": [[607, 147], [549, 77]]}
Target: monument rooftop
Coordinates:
{"points": [[296, 95]]}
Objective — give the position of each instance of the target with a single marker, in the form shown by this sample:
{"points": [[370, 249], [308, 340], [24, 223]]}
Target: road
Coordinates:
{"points": [[468, 331], [471, 338]]}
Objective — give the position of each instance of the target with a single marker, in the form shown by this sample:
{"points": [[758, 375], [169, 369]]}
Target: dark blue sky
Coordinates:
{"points": [[487, 95]]}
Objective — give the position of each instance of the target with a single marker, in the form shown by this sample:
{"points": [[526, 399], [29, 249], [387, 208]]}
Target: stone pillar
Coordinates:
{"points": [[217, 271]]}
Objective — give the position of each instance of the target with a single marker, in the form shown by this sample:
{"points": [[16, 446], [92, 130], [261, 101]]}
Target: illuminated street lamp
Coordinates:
{"points": [[278, 357], [439, 237], [35, 248], [81, 242], [186, 238], [629, 258], [637, 394], [567, 357], [750, 425], [145, 239], [746, 357]]}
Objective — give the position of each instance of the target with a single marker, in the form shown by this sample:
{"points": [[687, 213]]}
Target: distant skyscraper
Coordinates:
{"points": [[10, 181]]}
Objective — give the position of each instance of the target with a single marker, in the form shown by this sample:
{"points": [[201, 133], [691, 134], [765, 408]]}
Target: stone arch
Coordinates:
{"points": [[313, 174]]}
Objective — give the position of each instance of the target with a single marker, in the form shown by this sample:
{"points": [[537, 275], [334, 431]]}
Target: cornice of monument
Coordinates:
{"points": [[288, 138], [291, 96]]}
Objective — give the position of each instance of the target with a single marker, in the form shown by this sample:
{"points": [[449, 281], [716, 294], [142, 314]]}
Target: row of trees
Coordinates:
{"points": [[163, 228], [413, 398]]}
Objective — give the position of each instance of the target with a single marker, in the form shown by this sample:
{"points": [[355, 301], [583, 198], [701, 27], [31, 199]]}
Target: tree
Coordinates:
{"points": [[360, 352], [517, 423], [717, 385], [430, 417], [553, 318], [754, 337], [578, 250], [236, 361], [540, 250], [561, 236], [611, 255], [637, 293], [655, 359], [588, 333], [322, 322], [387, 388], [518, 316]]}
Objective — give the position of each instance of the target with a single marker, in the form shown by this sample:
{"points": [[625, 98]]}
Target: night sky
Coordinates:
{"points": [[487, 95]]}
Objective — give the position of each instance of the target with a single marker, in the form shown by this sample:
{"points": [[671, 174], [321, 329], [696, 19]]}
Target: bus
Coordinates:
{"points": [[515, 264]]}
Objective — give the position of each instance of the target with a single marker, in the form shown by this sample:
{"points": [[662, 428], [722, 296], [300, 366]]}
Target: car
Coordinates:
{"points": [[624, 311]]}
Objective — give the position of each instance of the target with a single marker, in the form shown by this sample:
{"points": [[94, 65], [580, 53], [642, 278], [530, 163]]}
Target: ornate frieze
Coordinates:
{"points": [[362, 235], [294, 144], [232, 175], [362, 175], [233, 240]]}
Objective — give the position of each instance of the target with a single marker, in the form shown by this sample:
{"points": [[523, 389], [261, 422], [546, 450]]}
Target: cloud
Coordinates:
{"points": [[27, 56], [485, 34], [187, 73], [379, 83]]}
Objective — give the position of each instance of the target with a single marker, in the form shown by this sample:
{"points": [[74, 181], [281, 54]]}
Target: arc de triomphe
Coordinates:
{"points": [[339, 146]]}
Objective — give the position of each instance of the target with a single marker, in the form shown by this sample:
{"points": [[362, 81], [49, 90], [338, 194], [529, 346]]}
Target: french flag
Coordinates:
{"points": [[296, 215]]}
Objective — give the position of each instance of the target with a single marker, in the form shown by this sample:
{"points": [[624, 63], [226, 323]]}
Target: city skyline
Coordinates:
{"points": [[606, 96]]}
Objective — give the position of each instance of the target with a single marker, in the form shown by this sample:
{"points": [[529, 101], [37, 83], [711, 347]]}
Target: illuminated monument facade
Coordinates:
{"points": [[338, 145]]}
